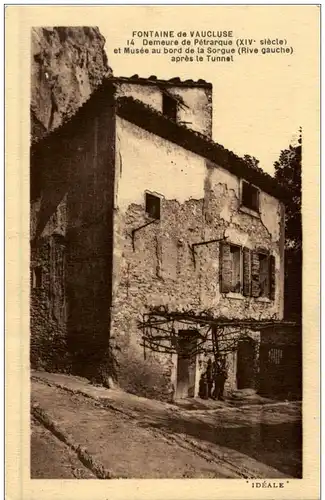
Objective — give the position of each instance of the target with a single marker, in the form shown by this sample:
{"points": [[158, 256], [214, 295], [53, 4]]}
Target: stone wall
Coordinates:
{"points": [[72, 179], [155, 265], [48, 305], [67, 64], [48, 228], [71, 193]]}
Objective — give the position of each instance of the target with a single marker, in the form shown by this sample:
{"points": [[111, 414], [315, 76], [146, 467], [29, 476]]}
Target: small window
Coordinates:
{"points": [[153, 206], [250, 196], [169, 107], [37, 277], [275, 356], [264, 275]]}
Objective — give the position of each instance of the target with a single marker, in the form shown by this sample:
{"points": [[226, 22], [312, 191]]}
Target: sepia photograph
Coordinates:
{"points": [[165, 279], [166, 225]]}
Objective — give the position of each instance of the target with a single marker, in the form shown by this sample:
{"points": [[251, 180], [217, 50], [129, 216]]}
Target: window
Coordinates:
{"points": [[275, 356], [231, 268], [250, 196], [169, 107], [37, 277], [246, 271], [264, 275], [153, 206]]}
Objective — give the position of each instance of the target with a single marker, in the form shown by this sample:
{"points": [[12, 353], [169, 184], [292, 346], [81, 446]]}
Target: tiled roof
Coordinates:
{"points": [[172, 82]]}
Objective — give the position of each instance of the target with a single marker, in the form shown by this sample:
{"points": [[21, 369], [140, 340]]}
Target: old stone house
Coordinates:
{"points": [[152, 246]]}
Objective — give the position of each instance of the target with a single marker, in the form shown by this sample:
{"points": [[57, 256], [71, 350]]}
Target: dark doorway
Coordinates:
{"points": [[246, 364], [271, 369], [186, 364]]}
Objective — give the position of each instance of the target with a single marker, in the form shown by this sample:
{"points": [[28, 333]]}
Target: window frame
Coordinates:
{"points": [[244, 207], [157, 197], [266, 256], [233, 291], [240, 250]]}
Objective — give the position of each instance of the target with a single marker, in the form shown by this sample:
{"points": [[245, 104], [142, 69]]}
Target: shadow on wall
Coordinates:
{"points": [[48, 347], [145, 377], [74, 168], [92, 356]]}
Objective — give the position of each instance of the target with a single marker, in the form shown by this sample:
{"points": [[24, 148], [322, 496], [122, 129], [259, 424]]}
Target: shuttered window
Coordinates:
{"points": [[272, 276], [231, 268], [235, 253], [225, 268], [245, 271], [255, 275], [264, 275]]}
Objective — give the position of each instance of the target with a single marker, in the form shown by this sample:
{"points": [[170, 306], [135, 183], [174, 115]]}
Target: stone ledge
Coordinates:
{"points": [[249, 211], [236, 296]]}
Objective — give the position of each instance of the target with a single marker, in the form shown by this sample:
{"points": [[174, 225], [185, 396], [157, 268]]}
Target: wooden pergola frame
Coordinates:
{"points": [[214, 335]]}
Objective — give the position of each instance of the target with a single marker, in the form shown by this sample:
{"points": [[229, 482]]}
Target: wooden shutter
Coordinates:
{"points": [[225, 268], [255, 274], [272, 276], [246, 272], [264, 276]]}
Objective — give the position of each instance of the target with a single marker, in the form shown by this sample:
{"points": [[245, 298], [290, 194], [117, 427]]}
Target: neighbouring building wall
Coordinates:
{"points": [[195, 113], [72, 181], [155, 265], [48, 312]]}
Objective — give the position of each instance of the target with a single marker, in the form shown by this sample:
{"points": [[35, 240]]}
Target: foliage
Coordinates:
{"points": [[252, 161], [288, 173]]}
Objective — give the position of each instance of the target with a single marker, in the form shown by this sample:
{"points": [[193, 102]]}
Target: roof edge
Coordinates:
{"points": [[172, 82], [155, 122]]}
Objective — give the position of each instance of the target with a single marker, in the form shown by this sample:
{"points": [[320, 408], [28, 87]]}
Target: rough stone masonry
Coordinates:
{"points": [[153, 264]]}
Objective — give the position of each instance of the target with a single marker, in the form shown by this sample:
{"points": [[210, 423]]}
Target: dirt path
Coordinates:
{"points": [[52, 459], [134, 437], [118, 442]]}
